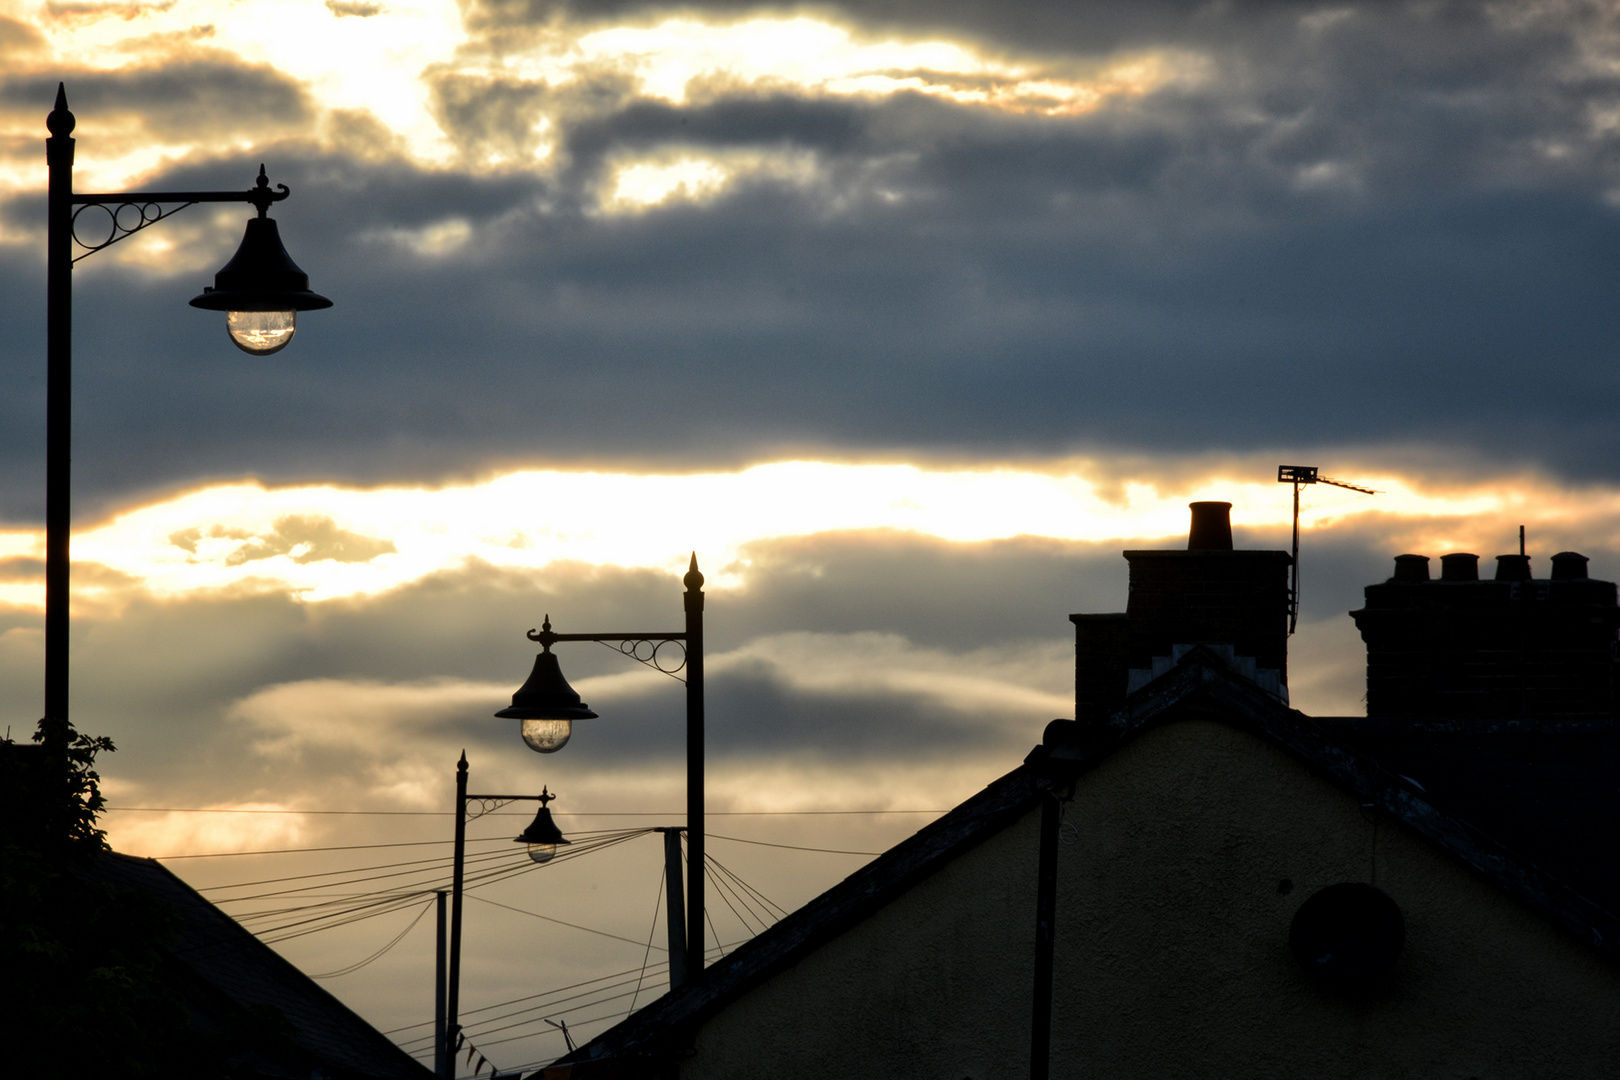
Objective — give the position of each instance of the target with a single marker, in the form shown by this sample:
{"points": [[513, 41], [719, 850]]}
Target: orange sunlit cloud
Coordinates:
{"points": [[382, 60], [324, 542]]}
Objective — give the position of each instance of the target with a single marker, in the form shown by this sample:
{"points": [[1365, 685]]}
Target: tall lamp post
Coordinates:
{"points": [[542, 839], [548, 706], [261, 289]]}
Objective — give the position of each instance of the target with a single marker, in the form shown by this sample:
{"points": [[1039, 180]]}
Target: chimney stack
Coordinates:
{"points": [[1235, 602], [1515, 647]]}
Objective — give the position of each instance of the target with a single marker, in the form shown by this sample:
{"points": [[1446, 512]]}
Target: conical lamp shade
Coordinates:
{"points": [[261, 276], [546, 695]]}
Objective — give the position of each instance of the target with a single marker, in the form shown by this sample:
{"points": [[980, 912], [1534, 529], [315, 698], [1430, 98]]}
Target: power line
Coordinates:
{"points": [[302, 850], [397, 939], [791, 847], [508, 813], [350, 847]]}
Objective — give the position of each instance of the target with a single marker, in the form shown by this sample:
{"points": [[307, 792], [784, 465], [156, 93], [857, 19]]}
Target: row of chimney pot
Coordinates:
{"points": [[1464, 566]]}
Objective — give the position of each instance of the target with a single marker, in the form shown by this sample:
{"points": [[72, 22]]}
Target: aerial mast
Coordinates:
{"points": [[1300, 475]]}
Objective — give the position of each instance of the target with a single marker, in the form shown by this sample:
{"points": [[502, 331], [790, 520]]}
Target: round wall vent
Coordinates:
{"points": [[1348, 935]]}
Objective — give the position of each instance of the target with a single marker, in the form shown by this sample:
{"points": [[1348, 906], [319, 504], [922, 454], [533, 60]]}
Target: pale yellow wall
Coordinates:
{"points": [[1172, 955]]}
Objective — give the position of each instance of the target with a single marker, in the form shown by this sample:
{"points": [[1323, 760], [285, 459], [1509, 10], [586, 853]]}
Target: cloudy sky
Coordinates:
{"points": [[906, 317]]}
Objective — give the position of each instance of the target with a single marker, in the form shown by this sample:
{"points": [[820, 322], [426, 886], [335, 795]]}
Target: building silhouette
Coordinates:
{"points": [[1237, 889]]}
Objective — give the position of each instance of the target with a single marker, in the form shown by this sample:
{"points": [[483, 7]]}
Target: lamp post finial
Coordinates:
{"points": [[60, 122]]}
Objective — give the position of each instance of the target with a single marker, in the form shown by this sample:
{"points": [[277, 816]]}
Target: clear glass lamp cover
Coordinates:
{"points": [[547, 736], [260, 332], [542, 853]]}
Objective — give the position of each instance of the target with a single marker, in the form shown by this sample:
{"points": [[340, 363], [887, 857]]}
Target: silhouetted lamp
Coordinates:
{"points": [[261, 290], [542, 835], [546, 704]]}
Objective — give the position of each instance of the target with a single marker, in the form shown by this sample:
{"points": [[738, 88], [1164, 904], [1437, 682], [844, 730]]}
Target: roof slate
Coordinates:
{"points": [[231, 963]]}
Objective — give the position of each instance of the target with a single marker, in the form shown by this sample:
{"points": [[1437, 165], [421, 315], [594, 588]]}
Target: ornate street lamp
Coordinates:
{"points": [[546, 704], [542, 837], [261, 289], [547, 707]]}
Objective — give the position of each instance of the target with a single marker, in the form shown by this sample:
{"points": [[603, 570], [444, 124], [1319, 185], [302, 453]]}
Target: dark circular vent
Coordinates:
{"points": [[1348, 936]]}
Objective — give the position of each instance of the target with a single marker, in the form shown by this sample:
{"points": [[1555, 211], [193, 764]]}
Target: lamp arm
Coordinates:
{"points": [[148, 205], [488, 804], [641, 647]]}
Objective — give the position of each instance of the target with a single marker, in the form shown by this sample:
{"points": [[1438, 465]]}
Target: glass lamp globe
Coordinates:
{"points": [[260, 332], [542, 853], [547, 737]]}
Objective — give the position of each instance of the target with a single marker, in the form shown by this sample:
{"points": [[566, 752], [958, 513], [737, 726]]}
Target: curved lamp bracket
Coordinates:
{"points": [[129, 212]]}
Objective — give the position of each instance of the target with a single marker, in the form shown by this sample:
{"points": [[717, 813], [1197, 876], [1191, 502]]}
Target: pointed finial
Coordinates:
{"points": [[545, 797], [694, 577], [461, 766], [61, 122]]}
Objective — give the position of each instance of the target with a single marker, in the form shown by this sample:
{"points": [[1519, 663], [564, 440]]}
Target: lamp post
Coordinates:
{"points": [[548, 706], [261, 289], [541, 838]]}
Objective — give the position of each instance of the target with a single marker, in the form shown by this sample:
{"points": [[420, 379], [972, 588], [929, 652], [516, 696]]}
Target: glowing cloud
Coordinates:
{"points": [[324, 542]]}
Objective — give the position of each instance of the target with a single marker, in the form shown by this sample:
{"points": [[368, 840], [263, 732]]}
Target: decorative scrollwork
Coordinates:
{"points": [[485, 806], [123, 219], [647, 651]]}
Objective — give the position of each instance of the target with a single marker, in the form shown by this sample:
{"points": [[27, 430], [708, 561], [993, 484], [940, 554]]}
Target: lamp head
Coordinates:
{"points": [[547, 705], [261, 289], [542, 835]]}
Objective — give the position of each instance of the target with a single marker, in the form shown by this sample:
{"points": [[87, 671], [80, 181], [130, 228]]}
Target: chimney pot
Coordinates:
{"points": [[1411, 568], [1569, 566], [1459, 566], [1513, 568], [1211, 527]]}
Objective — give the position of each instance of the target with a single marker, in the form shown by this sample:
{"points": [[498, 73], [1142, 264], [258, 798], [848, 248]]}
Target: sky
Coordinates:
{"points": [[906, 318]]}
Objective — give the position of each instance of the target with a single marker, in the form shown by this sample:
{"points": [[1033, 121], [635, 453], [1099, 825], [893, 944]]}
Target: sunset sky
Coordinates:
{"points": [[906, 317]]}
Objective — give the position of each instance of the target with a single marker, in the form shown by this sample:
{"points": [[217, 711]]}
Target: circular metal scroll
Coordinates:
{"points": [[650, 653], [120, 221]]}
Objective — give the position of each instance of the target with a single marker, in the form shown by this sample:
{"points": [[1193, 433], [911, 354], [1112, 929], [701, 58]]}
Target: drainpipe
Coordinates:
{"points": [[1040, 1036]]}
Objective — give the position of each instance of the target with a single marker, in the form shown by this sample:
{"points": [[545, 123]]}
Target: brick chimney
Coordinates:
{"points": [[1512, 647], [1498, 697], [1233, 601]]}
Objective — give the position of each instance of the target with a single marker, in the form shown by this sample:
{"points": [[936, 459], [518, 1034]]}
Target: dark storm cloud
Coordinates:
{"points": [[1390, 226], [198, 94]]}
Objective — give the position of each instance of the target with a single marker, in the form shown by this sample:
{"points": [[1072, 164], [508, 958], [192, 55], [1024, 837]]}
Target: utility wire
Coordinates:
{"points": [[351, 912], [791, 847], [561, 922], [438, 859], [658, 902], [519, 1000], [362, 963], [777, 910], [508, 813]]}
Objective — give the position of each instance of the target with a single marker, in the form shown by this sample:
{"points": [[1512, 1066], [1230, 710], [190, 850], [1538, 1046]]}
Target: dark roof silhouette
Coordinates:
{"points": [[218, 966], [1202, 685]]}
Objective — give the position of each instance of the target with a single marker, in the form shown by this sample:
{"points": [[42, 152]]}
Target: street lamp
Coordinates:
{"points": [[548, 707], [542, 838], [261, 289], [545, 704]]}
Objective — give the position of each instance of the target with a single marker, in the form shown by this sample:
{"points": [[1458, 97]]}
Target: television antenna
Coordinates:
{"points": [[1299, 475]]}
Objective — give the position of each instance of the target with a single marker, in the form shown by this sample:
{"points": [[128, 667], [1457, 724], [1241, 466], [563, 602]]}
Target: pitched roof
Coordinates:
{"points": [[226, 964], [1200, 685]]}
